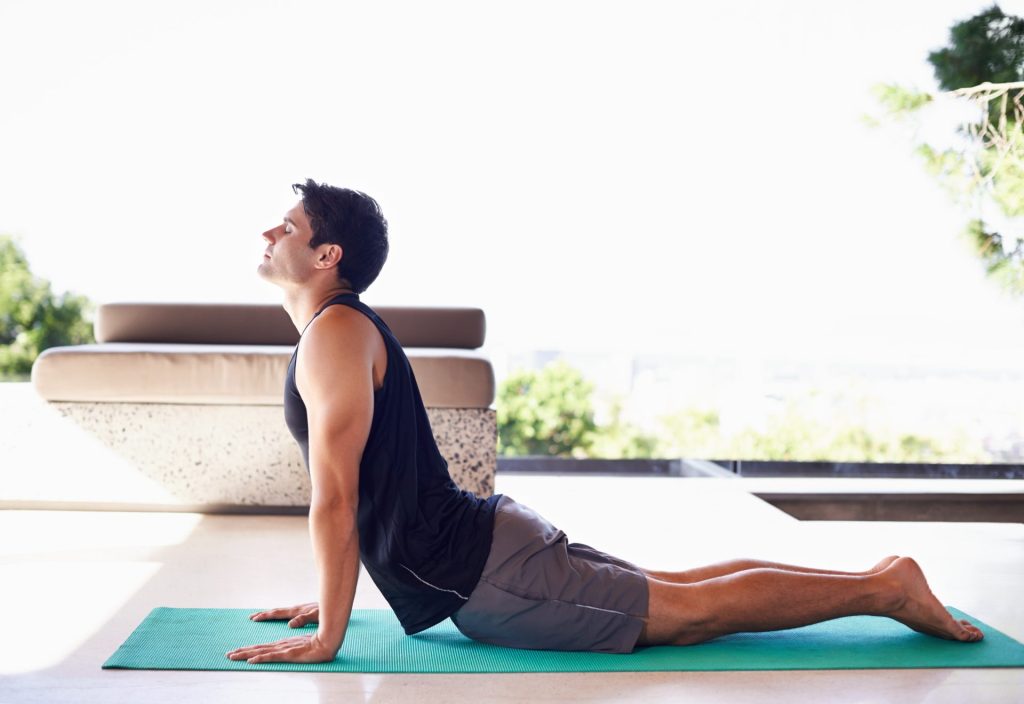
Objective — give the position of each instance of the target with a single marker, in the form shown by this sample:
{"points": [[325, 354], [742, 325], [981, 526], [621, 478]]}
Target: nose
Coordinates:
{"points": [[269, 236]]}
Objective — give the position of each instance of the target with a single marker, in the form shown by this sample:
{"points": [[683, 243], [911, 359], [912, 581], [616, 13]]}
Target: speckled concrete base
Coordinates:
{"points": [[244, 455]]}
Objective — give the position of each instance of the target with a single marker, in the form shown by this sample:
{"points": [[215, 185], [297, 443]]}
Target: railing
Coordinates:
{"points": [[756, 468]]}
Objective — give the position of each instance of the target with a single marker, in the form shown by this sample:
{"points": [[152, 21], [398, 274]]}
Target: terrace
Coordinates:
{"points": [[82, 573]]}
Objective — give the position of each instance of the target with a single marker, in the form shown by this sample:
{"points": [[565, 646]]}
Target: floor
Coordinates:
{"points": [[76, 583]]}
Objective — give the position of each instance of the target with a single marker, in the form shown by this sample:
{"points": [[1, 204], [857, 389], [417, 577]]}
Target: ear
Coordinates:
{"points": [[330, 255]]}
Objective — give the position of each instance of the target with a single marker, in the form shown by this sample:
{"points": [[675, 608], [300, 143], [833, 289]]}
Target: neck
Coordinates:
{"points": [[301, 305]]}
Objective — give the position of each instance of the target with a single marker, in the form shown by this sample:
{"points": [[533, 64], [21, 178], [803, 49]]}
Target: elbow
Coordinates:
{"points": [[335, 505], [337, 519]]}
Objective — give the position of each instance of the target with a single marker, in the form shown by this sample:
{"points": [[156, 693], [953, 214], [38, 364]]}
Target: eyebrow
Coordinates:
{"points": [[289, 220]]}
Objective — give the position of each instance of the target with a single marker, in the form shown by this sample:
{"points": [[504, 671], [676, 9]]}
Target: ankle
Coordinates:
{"points": [[886, 594]]}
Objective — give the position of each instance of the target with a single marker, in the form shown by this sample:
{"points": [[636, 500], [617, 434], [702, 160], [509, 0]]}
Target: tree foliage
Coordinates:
{"points": [[620, 439], [550, 413], [987, 47], [545, 413], [32, 318], [983, 66]]}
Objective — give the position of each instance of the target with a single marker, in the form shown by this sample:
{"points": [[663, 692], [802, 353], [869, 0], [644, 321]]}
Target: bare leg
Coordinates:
{"points": [[699, 574], [770, 599]]}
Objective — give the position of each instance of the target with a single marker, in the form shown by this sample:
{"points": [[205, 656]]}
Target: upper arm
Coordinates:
{"points": [[334, 375]]}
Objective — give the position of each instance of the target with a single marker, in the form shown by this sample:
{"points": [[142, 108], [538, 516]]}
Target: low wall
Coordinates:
{"points": [[196, 457]]}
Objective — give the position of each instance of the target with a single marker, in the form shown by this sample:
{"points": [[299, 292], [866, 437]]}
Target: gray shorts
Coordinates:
{"points": [[541, 592]]}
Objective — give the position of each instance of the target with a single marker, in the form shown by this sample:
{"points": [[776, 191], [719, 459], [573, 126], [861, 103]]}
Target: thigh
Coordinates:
{"points": [[595, 555], [538, 590], [500, 617]]}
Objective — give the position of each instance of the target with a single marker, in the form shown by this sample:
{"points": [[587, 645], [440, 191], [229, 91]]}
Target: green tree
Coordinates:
{"points": [[984, 65], [986, 47], [620, 439], [32, 318], [550, 413], [792, 437], [691, 432], [545, 413]]}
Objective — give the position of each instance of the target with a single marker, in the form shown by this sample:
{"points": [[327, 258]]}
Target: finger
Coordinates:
{"points": [[289, 641], [269, 615], [275, 614], [245, 652], [245, 648], [281, 655], [267, 646], [250, 649], [308, 616]]}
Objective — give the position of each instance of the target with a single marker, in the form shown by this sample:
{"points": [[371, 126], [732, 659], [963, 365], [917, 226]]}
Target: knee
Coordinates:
{"points": [[677, 615], [693, 637], [692, 606]]}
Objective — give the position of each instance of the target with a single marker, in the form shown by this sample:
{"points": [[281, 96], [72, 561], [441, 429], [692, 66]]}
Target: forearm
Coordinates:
{"points": [[335, 540]]}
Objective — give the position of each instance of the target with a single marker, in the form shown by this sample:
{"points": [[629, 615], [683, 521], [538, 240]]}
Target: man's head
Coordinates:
{"points": [[331, 229]]}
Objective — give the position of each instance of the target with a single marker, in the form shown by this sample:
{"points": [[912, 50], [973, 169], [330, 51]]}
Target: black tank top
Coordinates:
{"points": [[422, 540]]}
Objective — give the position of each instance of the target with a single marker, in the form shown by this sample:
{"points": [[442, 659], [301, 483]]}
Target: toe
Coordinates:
{"points": [[975, 632]]}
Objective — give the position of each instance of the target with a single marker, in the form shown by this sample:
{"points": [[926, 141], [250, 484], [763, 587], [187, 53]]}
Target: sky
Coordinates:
{"points": [[625, 177]]}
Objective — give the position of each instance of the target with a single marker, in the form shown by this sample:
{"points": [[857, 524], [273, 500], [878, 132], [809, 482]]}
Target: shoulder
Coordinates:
{"points": [[339, 325], [337, 343]]}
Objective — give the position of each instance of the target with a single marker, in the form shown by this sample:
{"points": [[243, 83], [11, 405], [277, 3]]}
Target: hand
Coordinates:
{"points": [[296, 649], [300, 615]]}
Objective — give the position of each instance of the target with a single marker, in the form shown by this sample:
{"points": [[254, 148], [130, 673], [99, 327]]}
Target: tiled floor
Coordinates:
{"points": [[75, 584]]}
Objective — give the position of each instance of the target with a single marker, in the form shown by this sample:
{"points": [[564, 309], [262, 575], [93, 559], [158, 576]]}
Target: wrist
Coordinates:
{"points": [[330, 645]]}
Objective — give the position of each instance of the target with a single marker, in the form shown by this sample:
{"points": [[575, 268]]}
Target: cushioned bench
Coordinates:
{"points": [[192, 394]]}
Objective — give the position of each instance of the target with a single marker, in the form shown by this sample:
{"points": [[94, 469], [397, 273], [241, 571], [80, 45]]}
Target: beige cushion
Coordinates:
{"points": [[261, 324], [231, 374]]}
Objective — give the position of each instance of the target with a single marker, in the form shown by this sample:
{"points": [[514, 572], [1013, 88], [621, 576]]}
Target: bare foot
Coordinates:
{"points": [[882, 564], [918, 608]]}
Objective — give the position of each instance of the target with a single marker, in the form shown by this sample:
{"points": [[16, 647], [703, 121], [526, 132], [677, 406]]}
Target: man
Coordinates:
{"points": [[381, 492]]}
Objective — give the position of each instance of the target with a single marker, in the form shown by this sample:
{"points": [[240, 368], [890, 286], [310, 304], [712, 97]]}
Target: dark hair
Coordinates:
{"points": [[353, 220]]}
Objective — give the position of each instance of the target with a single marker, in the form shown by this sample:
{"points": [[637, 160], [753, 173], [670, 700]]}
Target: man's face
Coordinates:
{"points": [[288, 256]]}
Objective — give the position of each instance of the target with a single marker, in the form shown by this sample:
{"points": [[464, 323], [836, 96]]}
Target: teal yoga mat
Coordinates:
{"points": [[198, 639]]}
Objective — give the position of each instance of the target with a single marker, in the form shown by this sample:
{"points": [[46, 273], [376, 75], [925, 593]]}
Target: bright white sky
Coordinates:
{"points": [[632, 176]]}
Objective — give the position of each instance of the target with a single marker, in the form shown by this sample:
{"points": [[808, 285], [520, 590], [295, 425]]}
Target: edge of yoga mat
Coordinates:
{"points": [[199, 639]]}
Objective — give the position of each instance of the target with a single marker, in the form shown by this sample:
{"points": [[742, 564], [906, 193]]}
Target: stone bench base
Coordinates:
{"points": [[193, 456]]}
